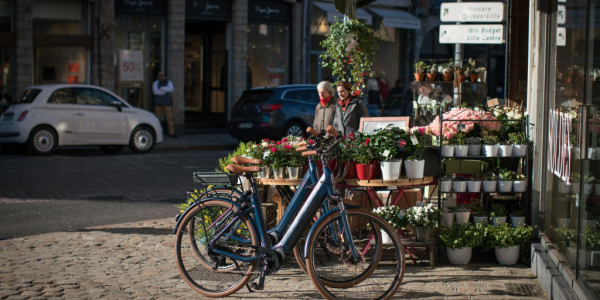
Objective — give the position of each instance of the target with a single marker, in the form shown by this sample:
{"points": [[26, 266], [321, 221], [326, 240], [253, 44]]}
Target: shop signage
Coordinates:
{"points": [[131, 65], [471, 34], [561, 15], [263, 11], [401, 23], [561, 36], [157, 8], [59, 40], [473, 12], [217, 10], [559, 149]]}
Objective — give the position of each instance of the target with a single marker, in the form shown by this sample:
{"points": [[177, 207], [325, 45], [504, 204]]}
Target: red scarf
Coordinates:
{"points": [[324, 101], [344, 103]]}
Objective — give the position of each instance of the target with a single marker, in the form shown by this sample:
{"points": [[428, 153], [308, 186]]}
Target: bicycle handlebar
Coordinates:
{"points": [[332, 131], [312, 131], [300, 149], [309, 153]]}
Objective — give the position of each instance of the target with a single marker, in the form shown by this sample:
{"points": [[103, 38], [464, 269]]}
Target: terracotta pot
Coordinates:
{"points": [[447, 77], [365, 172], [462, 77], [473, 77], [431, 76], [419, 76], [350, 169]]}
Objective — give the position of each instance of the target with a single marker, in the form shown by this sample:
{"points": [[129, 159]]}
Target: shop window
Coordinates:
{"points": [[60, 65], [268, 54]]}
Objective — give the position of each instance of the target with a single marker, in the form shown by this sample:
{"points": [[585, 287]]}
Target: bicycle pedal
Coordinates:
{"points": [[257, 287]]}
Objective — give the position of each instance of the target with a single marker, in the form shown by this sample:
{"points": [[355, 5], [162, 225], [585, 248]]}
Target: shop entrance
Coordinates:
{"points": [[205, 82]]}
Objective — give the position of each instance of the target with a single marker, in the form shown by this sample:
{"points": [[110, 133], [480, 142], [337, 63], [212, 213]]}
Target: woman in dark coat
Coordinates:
{"points": [[349, 110]]}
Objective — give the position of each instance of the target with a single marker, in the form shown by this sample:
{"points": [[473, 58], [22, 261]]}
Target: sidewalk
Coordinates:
{"points": [[219, 141], [136, 261]]}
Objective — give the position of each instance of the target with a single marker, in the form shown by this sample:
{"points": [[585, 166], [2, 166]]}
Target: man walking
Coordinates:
{"points": [[162, 89]]}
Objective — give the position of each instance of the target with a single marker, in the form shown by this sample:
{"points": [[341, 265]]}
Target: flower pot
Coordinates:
{"points": [[435, 111], [293, 172], [460, 186], [474, 186], [446, 186], [278, 173], [245, 182], [385, 238], [265, 172], [507, 256], [498, 221], [447, 219], [431, 76], [587, 188], [473, 77], [390, 170], [460, 256], [364, 172], [414, 168], [474, 150], [462, 77], [505, 186], [490, 150], [489, 186], [447, 151], [350, 168], [461, 151], [447, 77], [505, 150], [376, 169], [423, 234], [480, 219], [519, 150], [462, 216], [575, 187], [419, 76], [564, 187], [516, 221], [519, 186]]}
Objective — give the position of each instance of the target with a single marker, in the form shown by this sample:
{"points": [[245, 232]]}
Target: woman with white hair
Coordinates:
{"points": [[326, 107]]}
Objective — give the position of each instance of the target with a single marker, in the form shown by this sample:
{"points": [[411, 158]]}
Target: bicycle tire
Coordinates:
{"points": [[229, 275], [342, 280]]}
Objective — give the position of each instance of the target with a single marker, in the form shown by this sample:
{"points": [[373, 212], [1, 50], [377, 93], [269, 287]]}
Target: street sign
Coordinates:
{"points": [[480, 12], [561, 36], [131, 65], [471, 34], [561, 14]]}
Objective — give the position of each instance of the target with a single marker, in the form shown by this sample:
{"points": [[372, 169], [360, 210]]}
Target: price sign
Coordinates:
{"points": [[131, 65]]}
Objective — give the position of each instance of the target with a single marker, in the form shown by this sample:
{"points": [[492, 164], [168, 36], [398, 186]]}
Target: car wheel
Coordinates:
{"points": [[43, 140], [294, 129], [111, 149], [142, 140]]}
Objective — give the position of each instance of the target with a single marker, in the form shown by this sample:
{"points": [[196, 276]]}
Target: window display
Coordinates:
{"points": [[268, 54]]}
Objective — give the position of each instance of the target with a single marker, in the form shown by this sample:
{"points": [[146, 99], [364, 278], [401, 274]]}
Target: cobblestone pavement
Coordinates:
{"points": [[136, 261]]}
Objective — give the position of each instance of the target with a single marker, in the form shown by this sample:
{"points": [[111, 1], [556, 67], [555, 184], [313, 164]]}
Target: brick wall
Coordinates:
{"points": [[23, 45], [239, 48], [296, 36], [175, 60], [518, 60], [105, 58]]}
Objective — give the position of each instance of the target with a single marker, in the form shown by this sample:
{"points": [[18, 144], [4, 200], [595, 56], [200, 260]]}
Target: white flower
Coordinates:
{"points": [[510, 114], [254, 146], [265, 144], [430, 205], [248, 151], [497, 113], [518, 116]]}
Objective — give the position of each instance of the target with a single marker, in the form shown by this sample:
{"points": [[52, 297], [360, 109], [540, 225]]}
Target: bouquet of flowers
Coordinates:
{"points": [[424, 216], [393, 214], [465, 116]]}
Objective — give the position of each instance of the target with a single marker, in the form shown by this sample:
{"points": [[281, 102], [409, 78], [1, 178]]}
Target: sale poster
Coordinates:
{"points": [[73, 67], [131, 65], [72, 79]]}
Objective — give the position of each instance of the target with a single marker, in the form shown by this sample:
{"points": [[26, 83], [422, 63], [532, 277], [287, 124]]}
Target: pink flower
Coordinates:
{"points": [[311, 142], [421, 130], [367, 141], [273, 149], [401, 143], [278, 143], [284, 140], [265, 140]]}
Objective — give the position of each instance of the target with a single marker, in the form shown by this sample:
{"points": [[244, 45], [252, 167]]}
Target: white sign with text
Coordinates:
{"points": [[480, 12], [131, 65], [471, 34], [561, 36], [561, 14]]}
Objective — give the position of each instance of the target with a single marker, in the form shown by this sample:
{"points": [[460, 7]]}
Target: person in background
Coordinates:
{"points": [[162, 89], [349, 110], [326, 107], [372, 90], [398, 89], [383, 86]]}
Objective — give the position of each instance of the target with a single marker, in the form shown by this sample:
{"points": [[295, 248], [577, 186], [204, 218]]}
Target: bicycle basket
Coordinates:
{"points": [[215, 178]]}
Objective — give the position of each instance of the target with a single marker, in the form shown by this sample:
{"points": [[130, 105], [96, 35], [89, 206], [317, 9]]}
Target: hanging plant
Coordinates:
{"points": [[349, 49]]}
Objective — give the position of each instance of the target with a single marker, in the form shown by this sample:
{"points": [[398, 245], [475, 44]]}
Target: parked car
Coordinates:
{"points": [[48, 116], [396, 105], [276, 112]]}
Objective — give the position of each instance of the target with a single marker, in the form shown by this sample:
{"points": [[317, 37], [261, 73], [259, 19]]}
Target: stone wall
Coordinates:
{"points": [[23, 61], [103, 31], [175, 60], [239, 49]]}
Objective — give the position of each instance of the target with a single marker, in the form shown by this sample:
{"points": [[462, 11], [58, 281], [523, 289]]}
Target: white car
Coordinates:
{"points": [[48, 116]]}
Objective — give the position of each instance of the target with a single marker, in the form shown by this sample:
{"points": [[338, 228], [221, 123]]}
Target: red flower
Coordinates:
{"points": [[265, 140], [271, 145], [401, 143], [284, 140], [344, 136], [352, 135], [273, 149], [367, 141], [312, 142], [421, 130], [356, 93], [304, 139], [288, 147], [278, 143]]}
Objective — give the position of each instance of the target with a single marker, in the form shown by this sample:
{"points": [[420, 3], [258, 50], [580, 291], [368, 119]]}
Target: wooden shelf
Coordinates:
{"points": [[398, 182]]}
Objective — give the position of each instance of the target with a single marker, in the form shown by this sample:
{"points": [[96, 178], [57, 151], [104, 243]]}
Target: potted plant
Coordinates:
{"points": [[474, 146], [498, 214], [420, 68], [423, 219], [459, 241], [347, 153], [395, 216], [588, 184], [363, 157], [519, 143], [446, 184], [565, 187], [447, 74], [505, 148], [517, 217], [592, 247], [460, 184], [473, 72], [462, 215], [461, 149], [481, 215], [447, 217], [520, 183], [474, 183], [505, 181], [387, 144], [432, 72], [262, 151], [490, 145], [507, 242], [447, 149], [415, 164], [489, 182]]}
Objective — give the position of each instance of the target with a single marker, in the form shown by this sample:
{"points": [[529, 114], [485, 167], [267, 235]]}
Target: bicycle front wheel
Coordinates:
{"points": [[374, 270]]}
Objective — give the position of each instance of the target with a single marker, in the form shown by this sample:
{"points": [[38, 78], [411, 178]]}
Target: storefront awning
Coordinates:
{"points": [[329, 8], [397, 18]]}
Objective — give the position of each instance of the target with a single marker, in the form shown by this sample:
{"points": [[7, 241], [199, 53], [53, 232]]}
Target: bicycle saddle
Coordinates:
{"points": [[240, 160], [236, 169]]}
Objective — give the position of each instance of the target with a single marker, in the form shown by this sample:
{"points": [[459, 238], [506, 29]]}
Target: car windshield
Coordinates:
{"points": [[28, 96], [255, 96]]}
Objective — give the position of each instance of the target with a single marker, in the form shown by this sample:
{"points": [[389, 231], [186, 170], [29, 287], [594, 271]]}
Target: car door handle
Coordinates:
{"points": [[80, 114]]}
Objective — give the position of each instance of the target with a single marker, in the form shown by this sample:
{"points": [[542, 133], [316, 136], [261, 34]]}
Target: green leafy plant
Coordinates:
{"points": [[480, 210], [520, 177], [564, 233], [474, 140], [389, 142], [424, 216], [506, 175], [393, 214], [420, 67], [490, 176], [490, 139], [497, 210], [506, 236], [518, 212], [592, 237], [460, 138], [415, 150], [517, 138], [460, 236], [462, 209], [364, 152]]}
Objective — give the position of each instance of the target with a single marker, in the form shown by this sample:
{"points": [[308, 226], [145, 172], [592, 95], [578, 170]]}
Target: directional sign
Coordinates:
{"points": [[561, 36], [480, 12], [471, 34], [561, 14]]}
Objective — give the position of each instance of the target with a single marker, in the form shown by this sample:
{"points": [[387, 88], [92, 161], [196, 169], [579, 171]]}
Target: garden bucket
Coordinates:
{"points": [[460, 256], [507, 256], [390, 170], [414, 168]]}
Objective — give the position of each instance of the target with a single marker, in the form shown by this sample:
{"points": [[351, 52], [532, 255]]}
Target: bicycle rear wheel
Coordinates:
{"points": [[379, 269], [211, 275]]}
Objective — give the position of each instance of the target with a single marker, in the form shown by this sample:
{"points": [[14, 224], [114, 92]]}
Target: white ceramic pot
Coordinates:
{"points": [[563, 222], [390, 170], [460, 186], [448, 219], [498, 221], [462, 216], [461, 150], [505, 150], [294, 172], [490, 150], [575, 187], [489, 186], [446, 186], [278, 173], [519, 186], [519, 150], [461, 256], [447, 151], [474, 186], [564, 187], [386, 237], [597, 189], [505, 186], [480, 219], [507, 256], [474, 150], [265, 172], [516, 221], [587, 188], [414, 168]]}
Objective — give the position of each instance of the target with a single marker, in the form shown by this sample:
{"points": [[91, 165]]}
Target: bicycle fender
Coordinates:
{"points": [[312, 229], [186, 212]]}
